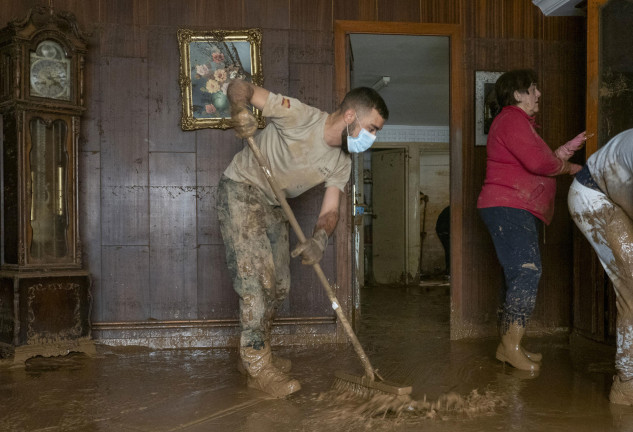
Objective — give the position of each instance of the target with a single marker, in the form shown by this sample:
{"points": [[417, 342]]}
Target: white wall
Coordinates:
{"points": [[434, 182]]}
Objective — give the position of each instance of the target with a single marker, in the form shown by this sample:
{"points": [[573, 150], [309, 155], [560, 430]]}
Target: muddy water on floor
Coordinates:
{"points": [[457, 386], [460, 386]]}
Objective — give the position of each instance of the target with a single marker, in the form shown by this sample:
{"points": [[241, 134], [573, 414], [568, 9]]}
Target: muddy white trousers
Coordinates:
{"points": [[610, 232]]}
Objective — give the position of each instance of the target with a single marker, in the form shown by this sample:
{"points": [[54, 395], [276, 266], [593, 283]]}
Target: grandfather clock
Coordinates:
{"points": [[44, 292]]}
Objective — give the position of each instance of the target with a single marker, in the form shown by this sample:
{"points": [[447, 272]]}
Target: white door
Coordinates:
{"points": [[389, 208]]}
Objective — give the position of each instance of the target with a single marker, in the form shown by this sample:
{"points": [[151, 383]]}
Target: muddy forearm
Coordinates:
{"points": [[327, 222], [240, 93], [568, 168]]}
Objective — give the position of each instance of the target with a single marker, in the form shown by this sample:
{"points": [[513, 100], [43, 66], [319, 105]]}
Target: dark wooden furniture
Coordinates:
{"points": [[44, 292]]}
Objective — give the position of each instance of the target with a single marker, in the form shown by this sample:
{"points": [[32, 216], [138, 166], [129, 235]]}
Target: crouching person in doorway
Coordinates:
{"points": [[304, 147], [601, 204]]}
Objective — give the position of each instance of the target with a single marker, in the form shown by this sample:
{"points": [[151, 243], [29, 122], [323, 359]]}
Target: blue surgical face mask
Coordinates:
{"points": [[362, 142]]}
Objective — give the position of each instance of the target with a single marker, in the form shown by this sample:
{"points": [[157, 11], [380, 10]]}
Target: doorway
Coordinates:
{"points": [[399, 233], [403, 193], [353, 210]]}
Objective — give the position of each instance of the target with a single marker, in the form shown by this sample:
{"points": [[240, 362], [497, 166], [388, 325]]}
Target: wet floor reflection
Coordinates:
{"points": [[457, 385]]}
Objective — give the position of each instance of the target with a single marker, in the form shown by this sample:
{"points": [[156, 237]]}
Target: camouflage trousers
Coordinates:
{"points": [[255, 236]]}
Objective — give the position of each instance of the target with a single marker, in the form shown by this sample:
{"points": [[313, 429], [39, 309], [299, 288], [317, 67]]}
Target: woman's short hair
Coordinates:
{"points": [[364, 99], [515, 80]]}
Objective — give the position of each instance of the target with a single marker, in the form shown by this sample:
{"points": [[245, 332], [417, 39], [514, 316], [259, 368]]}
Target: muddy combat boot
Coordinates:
{"points": [[621, 392], [262, 375], [510, 351], [281, 363]]}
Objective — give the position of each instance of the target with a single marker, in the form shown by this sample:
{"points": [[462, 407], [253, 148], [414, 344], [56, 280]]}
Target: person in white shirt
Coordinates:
{"points": [[601, 204]]}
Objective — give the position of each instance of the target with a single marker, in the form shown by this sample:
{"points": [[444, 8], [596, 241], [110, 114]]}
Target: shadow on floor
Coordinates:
{"points": [[405, 332]]}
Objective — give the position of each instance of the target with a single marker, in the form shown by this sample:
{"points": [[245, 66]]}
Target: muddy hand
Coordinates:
{"points": [[569, 168], [568, 149], [573, 170], [243, 121], [578, 141], [311, 250]]}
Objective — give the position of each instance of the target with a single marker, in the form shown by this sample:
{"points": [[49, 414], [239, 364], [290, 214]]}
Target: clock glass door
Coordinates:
{"points": [[48, 159]]}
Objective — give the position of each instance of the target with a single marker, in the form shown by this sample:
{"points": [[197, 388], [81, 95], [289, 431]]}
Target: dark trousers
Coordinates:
{"points": [[443, 231], [514, 234], [445, 239]]}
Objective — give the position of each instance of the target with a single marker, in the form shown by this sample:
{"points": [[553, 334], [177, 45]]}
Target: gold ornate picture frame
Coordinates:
{"points": [[209, 60]]}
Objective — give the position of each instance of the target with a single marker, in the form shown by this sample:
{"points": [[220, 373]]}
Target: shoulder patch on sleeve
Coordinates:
{"points": [[285, 102]]}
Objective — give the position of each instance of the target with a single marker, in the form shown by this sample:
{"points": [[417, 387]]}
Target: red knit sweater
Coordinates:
{"points": [[520, 166]]}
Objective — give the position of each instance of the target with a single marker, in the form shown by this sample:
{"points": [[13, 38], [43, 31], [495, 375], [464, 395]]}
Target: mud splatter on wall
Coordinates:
{"points": [[616, 70]]}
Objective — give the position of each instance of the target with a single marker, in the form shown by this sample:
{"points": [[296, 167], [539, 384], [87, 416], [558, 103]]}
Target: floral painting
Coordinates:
{"points": [[209, 62]]}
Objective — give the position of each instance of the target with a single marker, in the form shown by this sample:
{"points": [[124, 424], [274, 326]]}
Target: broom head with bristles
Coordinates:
{"points": [[365, 387]]}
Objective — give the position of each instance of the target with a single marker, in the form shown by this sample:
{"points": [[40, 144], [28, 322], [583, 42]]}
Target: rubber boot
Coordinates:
{"points": [[621, 392], [510, 351], [535, 357], [262, 375]]}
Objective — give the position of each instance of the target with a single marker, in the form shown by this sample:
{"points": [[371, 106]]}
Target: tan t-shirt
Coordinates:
{"points": [[295, 149]]}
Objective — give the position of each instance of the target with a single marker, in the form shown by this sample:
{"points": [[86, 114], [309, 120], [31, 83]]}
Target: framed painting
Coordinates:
{"points": [[486, 107], [209, 61]]}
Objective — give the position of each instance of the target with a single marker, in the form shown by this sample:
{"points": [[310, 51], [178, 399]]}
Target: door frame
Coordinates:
{"points": [[342, 29]]}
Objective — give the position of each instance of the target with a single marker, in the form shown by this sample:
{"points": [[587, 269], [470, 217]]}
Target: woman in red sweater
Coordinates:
{"points": [[517, 196]]}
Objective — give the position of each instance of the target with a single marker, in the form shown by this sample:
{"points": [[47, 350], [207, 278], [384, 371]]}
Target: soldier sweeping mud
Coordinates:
{"points": [[601, 203], [304, 147]]}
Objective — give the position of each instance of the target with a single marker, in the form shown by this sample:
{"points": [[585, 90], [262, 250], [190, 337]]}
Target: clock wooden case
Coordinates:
{"points": [[44, 291]]}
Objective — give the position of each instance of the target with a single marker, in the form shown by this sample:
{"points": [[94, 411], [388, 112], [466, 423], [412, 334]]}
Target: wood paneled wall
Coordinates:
{"points": [[517, 35], [147, 189]]}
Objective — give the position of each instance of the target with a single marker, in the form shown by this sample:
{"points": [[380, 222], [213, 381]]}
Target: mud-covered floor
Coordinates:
{"points": [[405, 333]]}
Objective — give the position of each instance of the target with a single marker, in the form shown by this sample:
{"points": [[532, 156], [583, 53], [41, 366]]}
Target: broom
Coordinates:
{"points": [[371, 383]]}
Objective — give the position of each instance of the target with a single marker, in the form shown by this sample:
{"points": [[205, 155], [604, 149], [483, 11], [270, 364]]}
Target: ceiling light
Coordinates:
{"points": [[382, 82]]}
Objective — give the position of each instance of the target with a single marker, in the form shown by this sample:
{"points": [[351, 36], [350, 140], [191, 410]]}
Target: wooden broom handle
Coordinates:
{"points": [[263, 164]]}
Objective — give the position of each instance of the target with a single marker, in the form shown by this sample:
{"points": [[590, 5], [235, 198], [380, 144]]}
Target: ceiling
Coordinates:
{"points": [[418, 66], [418, 69], [561, 7]]}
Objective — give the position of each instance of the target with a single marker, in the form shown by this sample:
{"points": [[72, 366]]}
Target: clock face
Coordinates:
{"points": [[50, 72]]}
